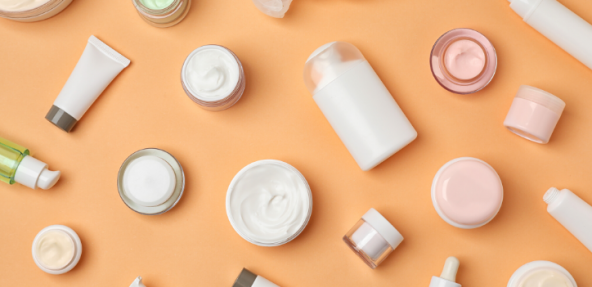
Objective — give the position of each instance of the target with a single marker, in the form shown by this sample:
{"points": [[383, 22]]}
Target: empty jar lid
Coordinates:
{"points": [[467, 192]]}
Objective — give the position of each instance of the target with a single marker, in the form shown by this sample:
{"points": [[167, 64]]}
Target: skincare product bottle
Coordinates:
{"points": [[448, 276], [151, 181], [138, 282], [572, 212], [543, 274], [463, 61], [57, 249], [559, 24], [31, 10], [467, 192], [373, 238], [162, 13], [249, 279], [16, 165], [96, 68], [534, 114], [357, 104], [273, 8]]}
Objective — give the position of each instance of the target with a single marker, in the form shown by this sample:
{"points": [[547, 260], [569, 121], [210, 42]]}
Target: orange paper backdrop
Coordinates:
{"points": [[194, 244]]}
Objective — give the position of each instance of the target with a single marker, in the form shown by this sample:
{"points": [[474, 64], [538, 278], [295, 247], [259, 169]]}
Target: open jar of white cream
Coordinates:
{"points": [[541, 274], [269, 203], [31, 10], [162, 13], [56, 249]]}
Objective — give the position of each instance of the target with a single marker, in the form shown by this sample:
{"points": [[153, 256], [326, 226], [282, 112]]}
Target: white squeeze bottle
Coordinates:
{"points": [[572, 212], [448, 276]]}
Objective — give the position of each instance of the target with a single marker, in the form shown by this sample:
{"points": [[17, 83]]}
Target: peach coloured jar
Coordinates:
{"points": [[534, 114], [467, 193], [463, 61]]}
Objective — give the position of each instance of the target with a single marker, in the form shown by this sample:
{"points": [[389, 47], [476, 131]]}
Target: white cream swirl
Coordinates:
{"points": [[20, 5], [212, 72], [269, 202]]}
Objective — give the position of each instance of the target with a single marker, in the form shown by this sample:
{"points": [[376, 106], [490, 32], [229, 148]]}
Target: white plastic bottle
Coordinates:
{"points": [[572, 212], [562, 26], [448, 276], [357, 104]]}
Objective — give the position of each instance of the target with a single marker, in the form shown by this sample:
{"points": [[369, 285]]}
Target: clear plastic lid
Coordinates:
{"points": [[328, 62]]}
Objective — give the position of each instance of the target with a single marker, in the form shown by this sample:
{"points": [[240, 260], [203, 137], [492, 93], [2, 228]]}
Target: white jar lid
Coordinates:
{"points": [[384, 228], [149, 181]]}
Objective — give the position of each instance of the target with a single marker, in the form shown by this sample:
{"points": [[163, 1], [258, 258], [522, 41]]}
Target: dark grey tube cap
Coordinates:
{"points": [[245, 279], [61, 119]]}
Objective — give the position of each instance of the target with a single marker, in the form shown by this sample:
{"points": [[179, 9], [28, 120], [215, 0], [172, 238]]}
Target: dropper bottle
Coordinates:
{"points": [[448, 276], [16, 165]]}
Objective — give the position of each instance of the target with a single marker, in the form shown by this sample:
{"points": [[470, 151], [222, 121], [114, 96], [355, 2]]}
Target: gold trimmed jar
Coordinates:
{"points": [[33, 10], [165, 17]]}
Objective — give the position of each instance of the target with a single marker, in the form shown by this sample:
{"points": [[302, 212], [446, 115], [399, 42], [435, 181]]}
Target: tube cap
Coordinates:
{"points": [[61, 119], [33, 173], [385, 228], [245, 279], [138, 282]]}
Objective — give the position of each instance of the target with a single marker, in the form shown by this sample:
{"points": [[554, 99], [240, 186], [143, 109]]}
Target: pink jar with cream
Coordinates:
{"points": [[467, 193], [534, 114]]}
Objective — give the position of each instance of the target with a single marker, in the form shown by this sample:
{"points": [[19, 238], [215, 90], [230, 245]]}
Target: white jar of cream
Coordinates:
{"points": [[56, 249], [269, 203], [31, 10], [540, 274]]}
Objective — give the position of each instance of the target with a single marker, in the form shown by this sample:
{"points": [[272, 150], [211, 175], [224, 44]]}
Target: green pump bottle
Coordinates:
{"points": [[16, 165]]}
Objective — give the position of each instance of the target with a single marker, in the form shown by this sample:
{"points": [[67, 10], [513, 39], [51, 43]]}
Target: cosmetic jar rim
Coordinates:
{"points": [[541, 97], [177, 193], [157, 12], [437, 206], [531, 267], [77, 249], [225, 101], [165, 17], [37, 12], [472, 85], [236, 178]]}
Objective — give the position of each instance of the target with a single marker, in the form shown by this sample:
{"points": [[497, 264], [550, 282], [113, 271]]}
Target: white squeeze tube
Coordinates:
{"points": [[562, 26], [97, 67], [572, 212]]}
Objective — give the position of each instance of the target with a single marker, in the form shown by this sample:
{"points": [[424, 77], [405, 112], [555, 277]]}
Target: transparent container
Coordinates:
{"points": [[11, 155], [42, 12], [214, 103], [16, 165], [166, 17], [373, 238]]}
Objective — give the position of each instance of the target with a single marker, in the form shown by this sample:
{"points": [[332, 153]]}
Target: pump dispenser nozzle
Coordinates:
{"points": [[448, 276], [138, 282]]}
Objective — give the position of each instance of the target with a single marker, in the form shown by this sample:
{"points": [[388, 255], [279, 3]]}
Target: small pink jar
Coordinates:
{"points": [[534, 114]]}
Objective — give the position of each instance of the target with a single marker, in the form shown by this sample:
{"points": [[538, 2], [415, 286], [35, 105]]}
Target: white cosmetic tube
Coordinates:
{"points": [[249, 279], [562, 26], [97, 67], [572, 212]]}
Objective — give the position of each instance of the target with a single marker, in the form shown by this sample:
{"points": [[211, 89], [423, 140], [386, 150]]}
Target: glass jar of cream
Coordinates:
{"points": [[269, 203], [57, 249], [213, 77], [541, 274], [151, 181], [31, 10], [162, 13]]}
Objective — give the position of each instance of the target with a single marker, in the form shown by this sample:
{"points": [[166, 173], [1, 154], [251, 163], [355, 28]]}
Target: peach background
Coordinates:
{"points": [[194, 244]]}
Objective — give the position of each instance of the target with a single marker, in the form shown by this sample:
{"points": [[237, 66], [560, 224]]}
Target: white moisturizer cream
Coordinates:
{"points": [[56, 249], [20, 5], [269, 203], [212, 72]]}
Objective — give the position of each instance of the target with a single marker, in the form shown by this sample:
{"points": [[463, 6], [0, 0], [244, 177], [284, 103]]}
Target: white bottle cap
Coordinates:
{"points": [[149, 180], [138, 282], [384, 228], [33, 173], [448, 276]]}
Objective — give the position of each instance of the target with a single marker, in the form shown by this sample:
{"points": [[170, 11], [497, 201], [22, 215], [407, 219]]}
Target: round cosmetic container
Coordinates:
{"points": [[373, 238], [151, 181], [32, 10], [467, 192], [213, 77], [534, 114], [541, 274], [56, 249], [463, 61], [269, 203], [162, 13]]}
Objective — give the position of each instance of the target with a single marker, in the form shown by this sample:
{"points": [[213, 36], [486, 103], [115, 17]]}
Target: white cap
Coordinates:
{"points": [[33, 173], [149, 180], [384, 228], [448, 276], [138, 282]]}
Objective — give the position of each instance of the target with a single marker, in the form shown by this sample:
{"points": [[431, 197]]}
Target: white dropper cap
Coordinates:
{"points": [[138, 282], [448, 276], [33, 173]]}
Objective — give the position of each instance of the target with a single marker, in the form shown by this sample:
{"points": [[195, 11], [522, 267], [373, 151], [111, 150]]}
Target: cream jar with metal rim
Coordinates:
{"points": [[541, 274], [163, 16], [56, 249], [269, 203], [213, 77], [151, 181], [31, 10]]}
